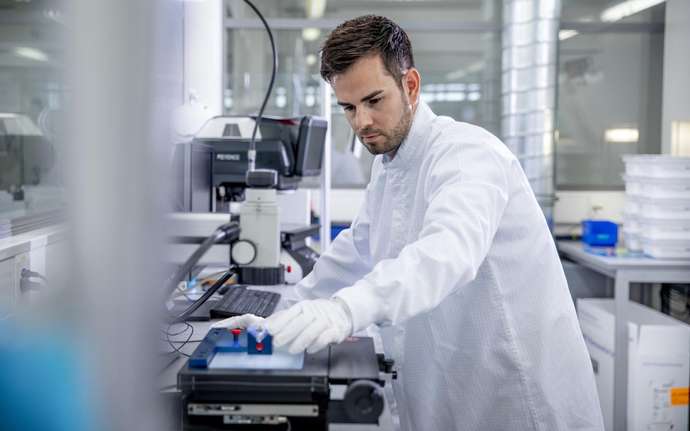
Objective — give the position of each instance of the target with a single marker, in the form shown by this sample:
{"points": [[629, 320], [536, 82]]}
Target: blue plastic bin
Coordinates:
{"points": [[602, 233]]}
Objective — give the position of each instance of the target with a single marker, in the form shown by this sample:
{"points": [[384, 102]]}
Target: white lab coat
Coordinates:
{"points": [[452, 253]]}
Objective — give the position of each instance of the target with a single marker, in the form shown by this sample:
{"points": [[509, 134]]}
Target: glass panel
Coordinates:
{"points": [[637, 11], [460, 78], [609, 104], [296, 87], [424, 11], [31, 97]]}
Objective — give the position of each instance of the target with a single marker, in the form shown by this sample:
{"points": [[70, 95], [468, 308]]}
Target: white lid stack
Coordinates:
{"points": [[656, 218]]}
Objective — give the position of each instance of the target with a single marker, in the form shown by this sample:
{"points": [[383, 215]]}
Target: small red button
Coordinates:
{"points": [[259, 347], [289, 269], [236, 332]]}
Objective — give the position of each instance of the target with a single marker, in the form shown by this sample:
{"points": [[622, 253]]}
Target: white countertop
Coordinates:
{"points": [[18, 244], [607, 257]]}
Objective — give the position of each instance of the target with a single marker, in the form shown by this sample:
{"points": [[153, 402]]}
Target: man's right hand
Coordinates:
{"points": [[241, 322]]}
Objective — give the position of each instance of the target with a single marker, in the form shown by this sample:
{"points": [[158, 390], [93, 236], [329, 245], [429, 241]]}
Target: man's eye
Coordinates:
{"points": [[374, 101], [348, 108]]}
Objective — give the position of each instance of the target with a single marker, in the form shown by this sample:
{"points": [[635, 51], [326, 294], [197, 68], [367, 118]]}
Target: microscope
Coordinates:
{"points": [[216, 180]]}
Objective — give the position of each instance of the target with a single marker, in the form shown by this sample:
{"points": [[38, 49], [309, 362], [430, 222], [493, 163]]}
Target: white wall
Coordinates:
{"points": [[574, 206], [676, 101], [570, 209]]}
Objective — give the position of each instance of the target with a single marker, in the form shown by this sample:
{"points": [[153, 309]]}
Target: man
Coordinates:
{"points": [[450, 254]]}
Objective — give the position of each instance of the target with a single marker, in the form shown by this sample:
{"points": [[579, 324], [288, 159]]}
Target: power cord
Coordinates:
{"points": [[27, 284], [204, 284], [228, 232], [29, 274], [198, 340], [174, 334], [251, 155], [171, 343], [199, 302]]}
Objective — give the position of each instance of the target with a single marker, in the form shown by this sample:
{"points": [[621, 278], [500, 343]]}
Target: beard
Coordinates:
{"points": [[391, 138]]}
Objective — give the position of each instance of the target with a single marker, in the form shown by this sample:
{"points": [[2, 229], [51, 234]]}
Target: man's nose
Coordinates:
{"points": [[362, 119]]}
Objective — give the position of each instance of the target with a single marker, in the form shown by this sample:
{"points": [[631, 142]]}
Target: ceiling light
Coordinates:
{"points": [[463, 72], [311, 59], [627, 8], [622, 136], [314, 8], [30, 53], [680, 138], [567, 34], [310, 34]]}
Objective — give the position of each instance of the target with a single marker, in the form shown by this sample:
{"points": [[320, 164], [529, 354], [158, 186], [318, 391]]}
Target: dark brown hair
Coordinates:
{"points": [[363, 36]]}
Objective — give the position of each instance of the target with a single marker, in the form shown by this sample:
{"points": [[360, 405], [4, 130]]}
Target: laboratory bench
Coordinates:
{"points": [[172, 363], [624, 269]]}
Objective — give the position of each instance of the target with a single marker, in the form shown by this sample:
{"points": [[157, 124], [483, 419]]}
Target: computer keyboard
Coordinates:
{"points": [[239, 300]]}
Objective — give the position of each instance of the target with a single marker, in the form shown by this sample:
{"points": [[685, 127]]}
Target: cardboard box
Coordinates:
{"points": [[658, 369]]}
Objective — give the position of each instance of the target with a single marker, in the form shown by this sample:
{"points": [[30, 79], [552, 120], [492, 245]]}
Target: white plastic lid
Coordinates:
{"points": [[655, 158], [655, 180]]}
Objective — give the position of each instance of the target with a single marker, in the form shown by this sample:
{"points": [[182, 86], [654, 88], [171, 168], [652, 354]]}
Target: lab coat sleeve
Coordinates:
{"points": [[467, 192], [346, 261]]}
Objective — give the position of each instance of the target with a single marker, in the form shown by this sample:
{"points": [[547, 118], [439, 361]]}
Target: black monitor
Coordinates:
{"points": [[310, 144], [293, 147]]}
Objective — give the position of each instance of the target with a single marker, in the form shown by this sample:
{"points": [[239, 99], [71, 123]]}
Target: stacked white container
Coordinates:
{"points": [[657, 207]]}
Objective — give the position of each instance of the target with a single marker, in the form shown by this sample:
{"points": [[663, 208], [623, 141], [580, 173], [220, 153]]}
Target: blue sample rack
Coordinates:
{"points": [[224, 340]]}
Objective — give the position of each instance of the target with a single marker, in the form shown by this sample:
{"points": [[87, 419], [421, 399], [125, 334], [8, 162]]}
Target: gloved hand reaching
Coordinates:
{"points": [[310, 325], [241, 322], [307, 325]]}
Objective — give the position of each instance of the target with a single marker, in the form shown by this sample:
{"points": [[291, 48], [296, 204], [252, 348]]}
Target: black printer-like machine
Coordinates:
{"points": [[214, 165], [234, 380]]}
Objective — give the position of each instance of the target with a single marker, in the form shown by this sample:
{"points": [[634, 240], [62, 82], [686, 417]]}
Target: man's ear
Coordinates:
{"points": [[412, 82]]}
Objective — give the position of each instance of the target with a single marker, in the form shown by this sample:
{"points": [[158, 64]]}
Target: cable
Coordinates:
{"points": [[26, 273], [187, 327], [229, 232], [174, 334], [199, 302], [27, 284], [199, 340], [203, 285], [167, 387], [251, 155], [206, 281], [208, 278], [177, 349]]}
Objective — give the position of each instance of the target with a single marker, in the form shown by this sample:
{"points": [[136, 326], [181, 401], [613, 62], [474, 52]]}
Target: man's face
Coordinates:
{"points": [[378, 110]]}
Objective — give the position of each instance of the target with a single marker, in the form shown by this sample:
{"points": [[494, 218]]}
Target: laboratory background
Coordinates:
{"points": [[132, 219]]}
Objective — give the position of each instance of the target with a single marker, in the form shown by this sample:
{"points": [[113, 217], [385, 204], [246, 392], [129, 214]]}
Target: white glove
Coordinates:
{"points": [[310, 325], [241, 322]]}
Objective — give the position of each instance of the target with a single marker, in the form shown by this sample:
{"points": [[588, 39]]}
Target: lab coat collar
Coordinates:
{"points": [[415, 140]]}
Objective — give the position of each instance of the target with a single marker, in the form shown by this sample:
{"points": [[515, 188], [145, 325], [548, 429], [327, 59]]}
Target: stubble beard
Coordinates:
{"points": [[395, 136]]}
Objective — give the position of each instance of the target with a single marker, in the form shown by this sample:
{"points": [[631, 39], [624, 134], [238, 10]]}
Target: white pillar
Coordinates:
{"points": [[203, 53], [675, 116], [116, 197], [530, 39], [325, 200]]}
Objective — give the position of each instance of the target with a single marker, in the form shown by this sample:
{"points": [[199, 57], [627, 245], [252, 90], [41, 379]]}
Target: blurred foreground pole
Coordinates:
{"points": [[114, 157]]}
